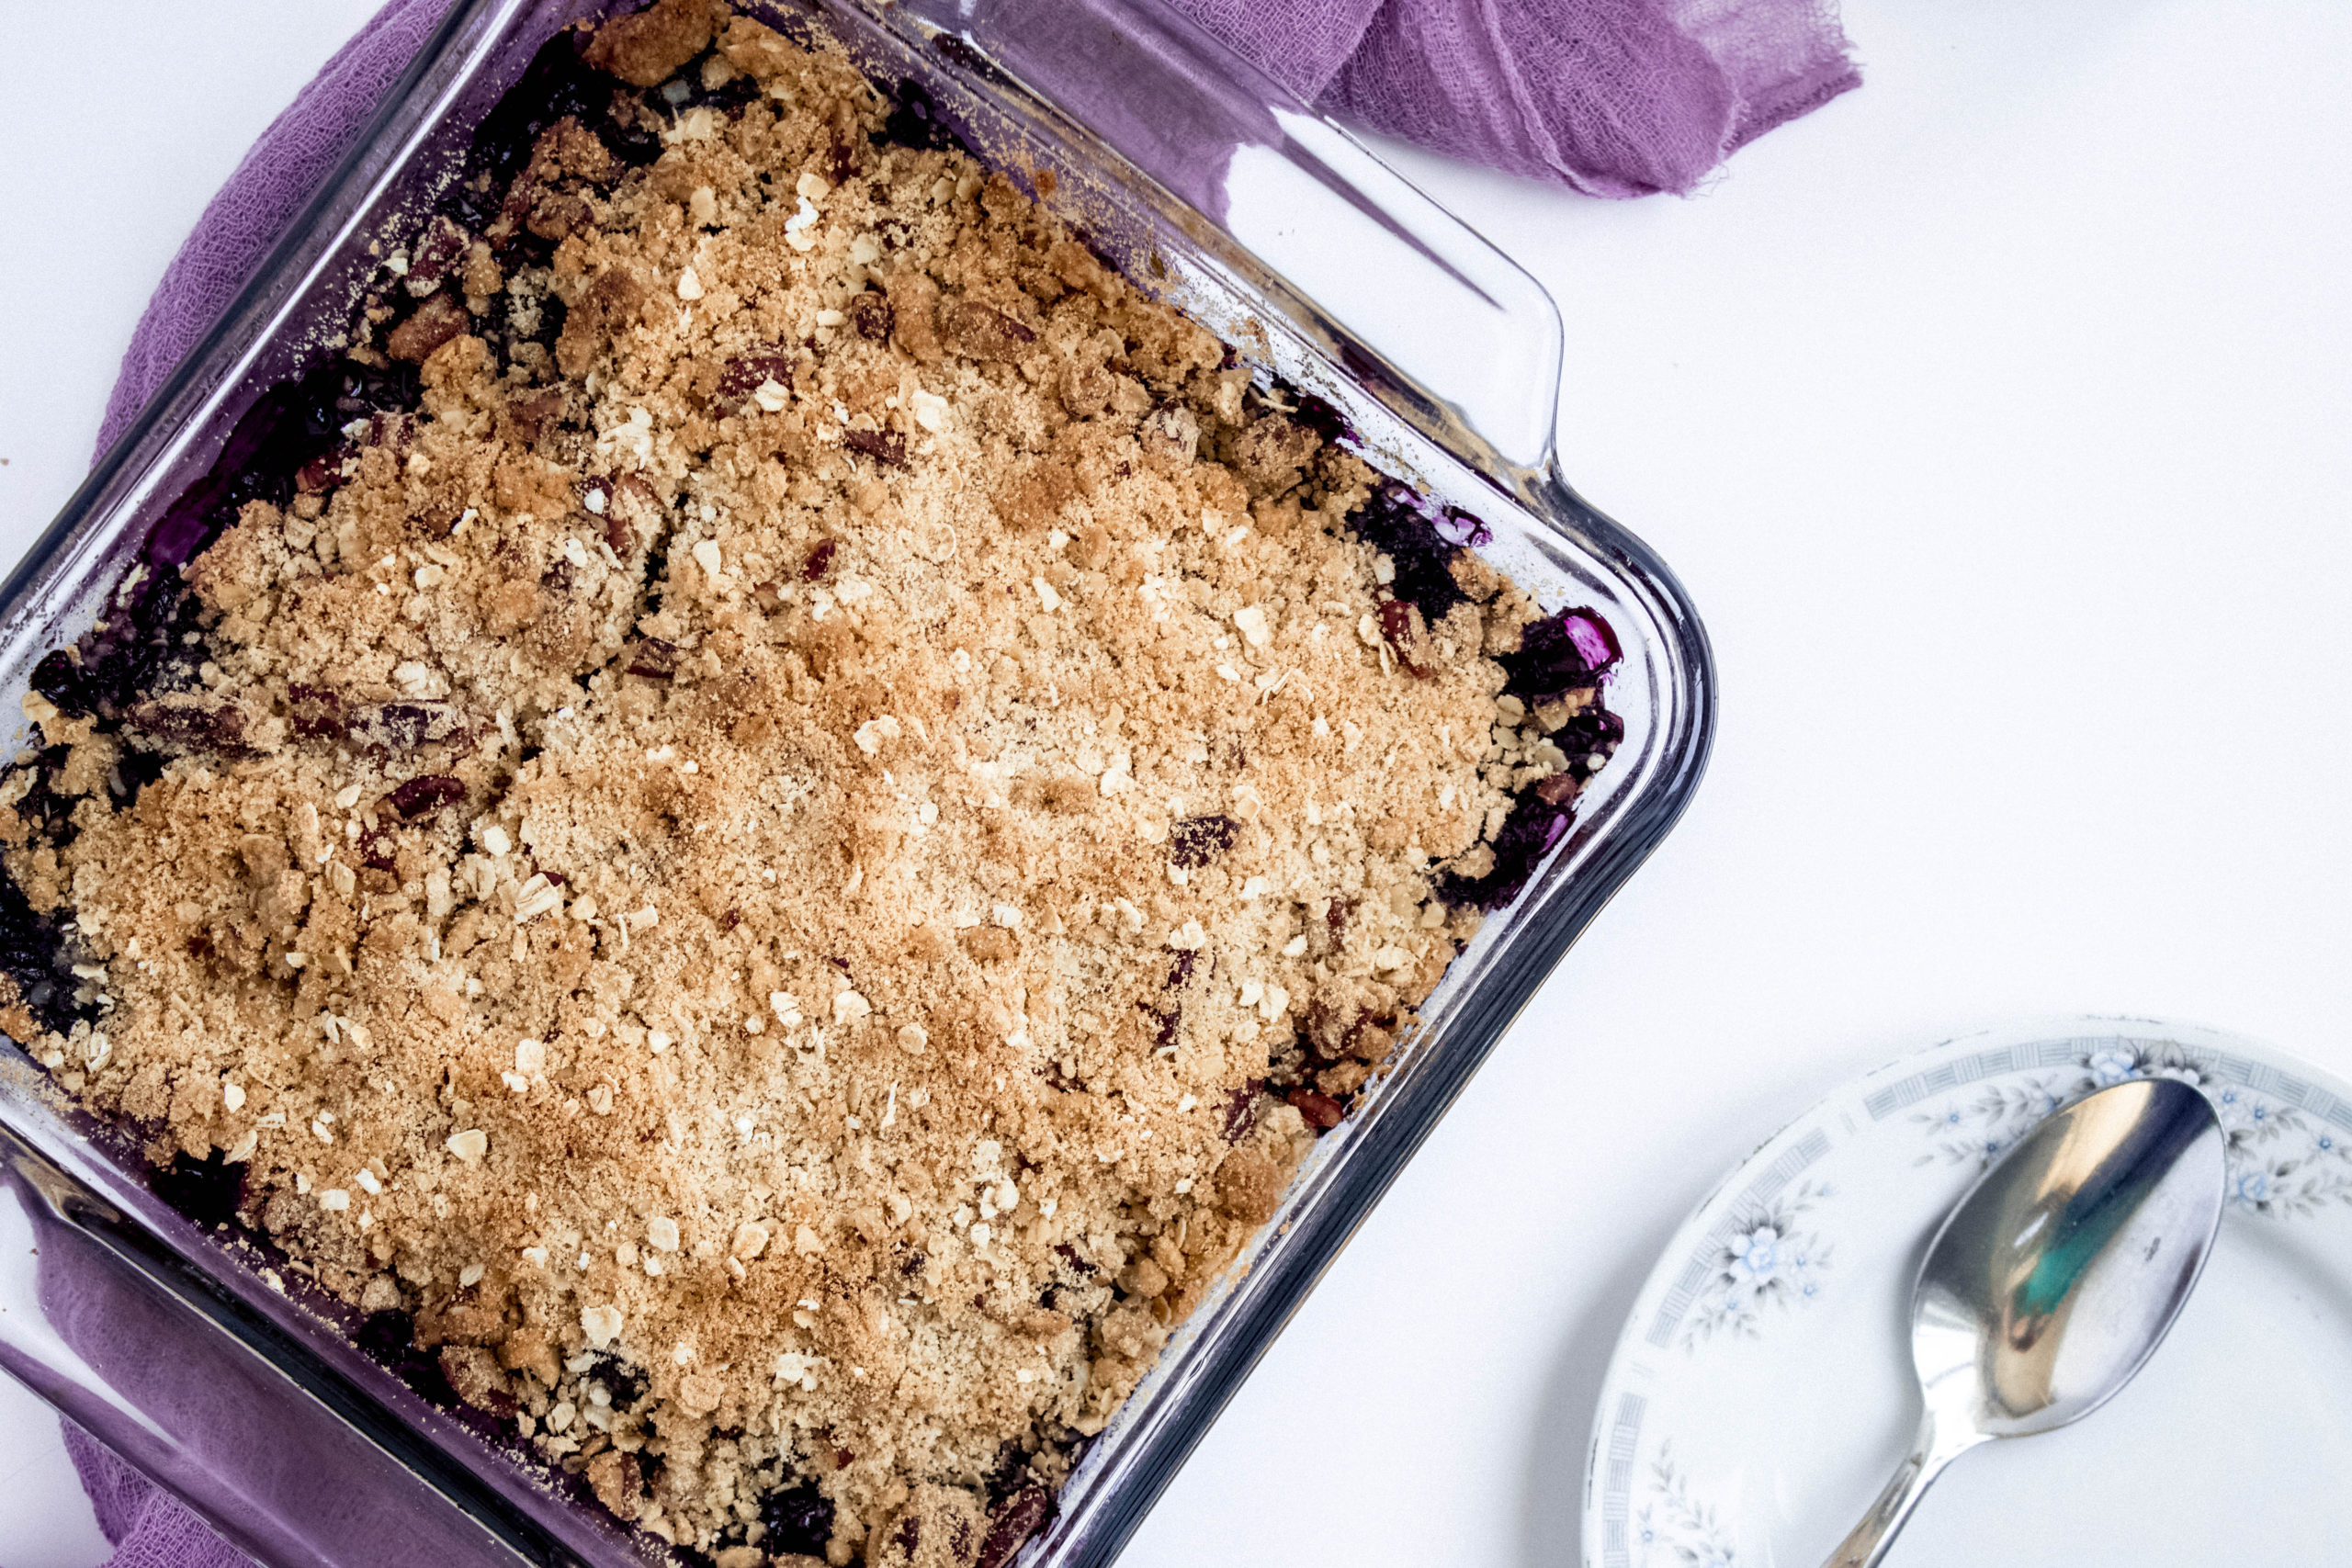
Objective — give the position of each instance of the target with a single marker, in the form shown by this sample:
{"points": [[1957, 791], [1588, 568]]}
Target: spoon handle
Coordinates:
{"points": [[1929, 1453]]}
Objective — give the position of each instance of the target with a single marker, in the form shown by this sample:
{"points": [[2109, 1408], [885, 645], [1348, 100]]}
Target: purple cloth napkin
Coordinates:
{"points": [[146, 1527], [1611, 97], [279, 174]]}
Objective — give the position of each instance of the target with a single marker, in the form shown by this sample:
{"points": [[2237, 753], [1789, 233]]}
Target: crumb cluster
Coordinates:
{"points": [[778, 868]]}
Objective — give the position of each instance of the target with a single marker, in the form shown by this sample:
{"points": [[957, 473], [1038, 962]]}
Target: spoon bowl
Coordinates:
{"points": [[2054, 1279]]}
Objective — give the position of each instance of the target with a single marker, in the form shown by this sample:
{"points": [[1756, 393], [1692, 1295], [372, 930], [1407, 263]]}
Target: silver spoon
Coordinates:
{"points": [[2054, 1279]]}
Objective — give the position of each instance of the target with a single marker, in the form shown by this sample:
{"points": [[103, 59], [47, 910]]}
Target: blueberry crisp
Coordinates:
{"points": [[763, 825]]}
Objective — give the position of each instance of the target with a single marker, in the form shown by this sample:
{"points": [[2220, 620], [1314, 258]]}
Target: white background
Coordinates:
{"points": [[1999, 418]]}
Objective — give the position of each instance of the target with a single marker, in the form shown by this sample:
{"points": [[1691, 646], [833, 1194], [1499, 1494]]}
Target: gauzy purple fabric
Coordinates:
{"points": [[1615, 100], [1611, 97], [146, 1527], [279, 172]]}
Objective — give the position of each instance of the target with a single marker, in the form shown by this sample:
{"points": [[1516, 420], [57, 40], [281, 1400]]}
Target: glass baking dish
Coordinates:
{"points": [[236, 1385]]}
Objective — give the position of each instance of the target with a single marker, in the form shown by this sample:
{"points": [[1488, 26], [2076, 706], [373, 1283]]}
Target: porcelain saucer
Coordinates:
{"points": [[1761, 1391]]}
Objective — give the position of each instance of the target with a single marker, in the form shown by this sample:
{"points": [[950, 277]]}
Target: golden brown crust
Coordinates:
{"points": [[645, 49], [781, 846]]}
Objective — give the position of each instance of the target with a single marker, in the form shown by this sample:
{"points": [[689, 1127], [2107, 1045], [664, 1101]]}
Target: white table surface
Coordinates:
{"points": [[1999, 418]]}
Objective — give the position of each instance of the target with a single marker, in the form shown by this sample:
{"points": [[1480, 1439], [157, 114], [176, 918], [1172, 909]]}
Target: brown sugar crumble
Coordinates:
{"points": [[779, 867]]}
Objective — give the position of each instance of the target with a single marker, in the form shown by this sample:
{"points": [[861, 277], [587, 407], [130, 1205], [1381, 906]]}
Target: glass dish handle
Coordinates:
{"points": [[274, 1449], [1454, 336]]}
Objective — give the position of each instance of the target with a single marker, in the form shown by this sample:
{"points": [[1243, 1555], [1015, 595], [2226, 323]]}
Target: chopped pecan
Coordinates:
{"points": [[747, 374], [470, 1316], [438, 320], [872, 316], [1401, 625], [324, 472], [1558, 790], [977, 332], [376, 727], [653, 658], [1320, 1110], [1242, 1110], [887, 447], [428, 793], [193, 719], [404, 726], [530, 418], [632, 514], [438, 249], [1016, 1519]]}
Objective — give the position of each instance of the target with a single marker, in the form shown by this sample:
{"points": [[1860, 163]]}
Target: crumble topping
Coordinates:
{"points": [[776, 870]]}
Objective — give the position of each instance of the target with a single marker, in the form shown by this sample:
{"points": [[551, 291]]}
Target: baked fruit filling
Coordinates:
{"points": [[763, 825]]}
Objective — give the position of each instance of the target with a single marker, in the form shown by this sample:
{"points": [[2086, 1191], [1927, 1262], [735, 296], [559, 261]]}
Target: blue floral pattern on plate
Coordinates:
{"points": [[1736, 1307], [1673, 1528], [2281, 1161], [1772, 1259]]}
